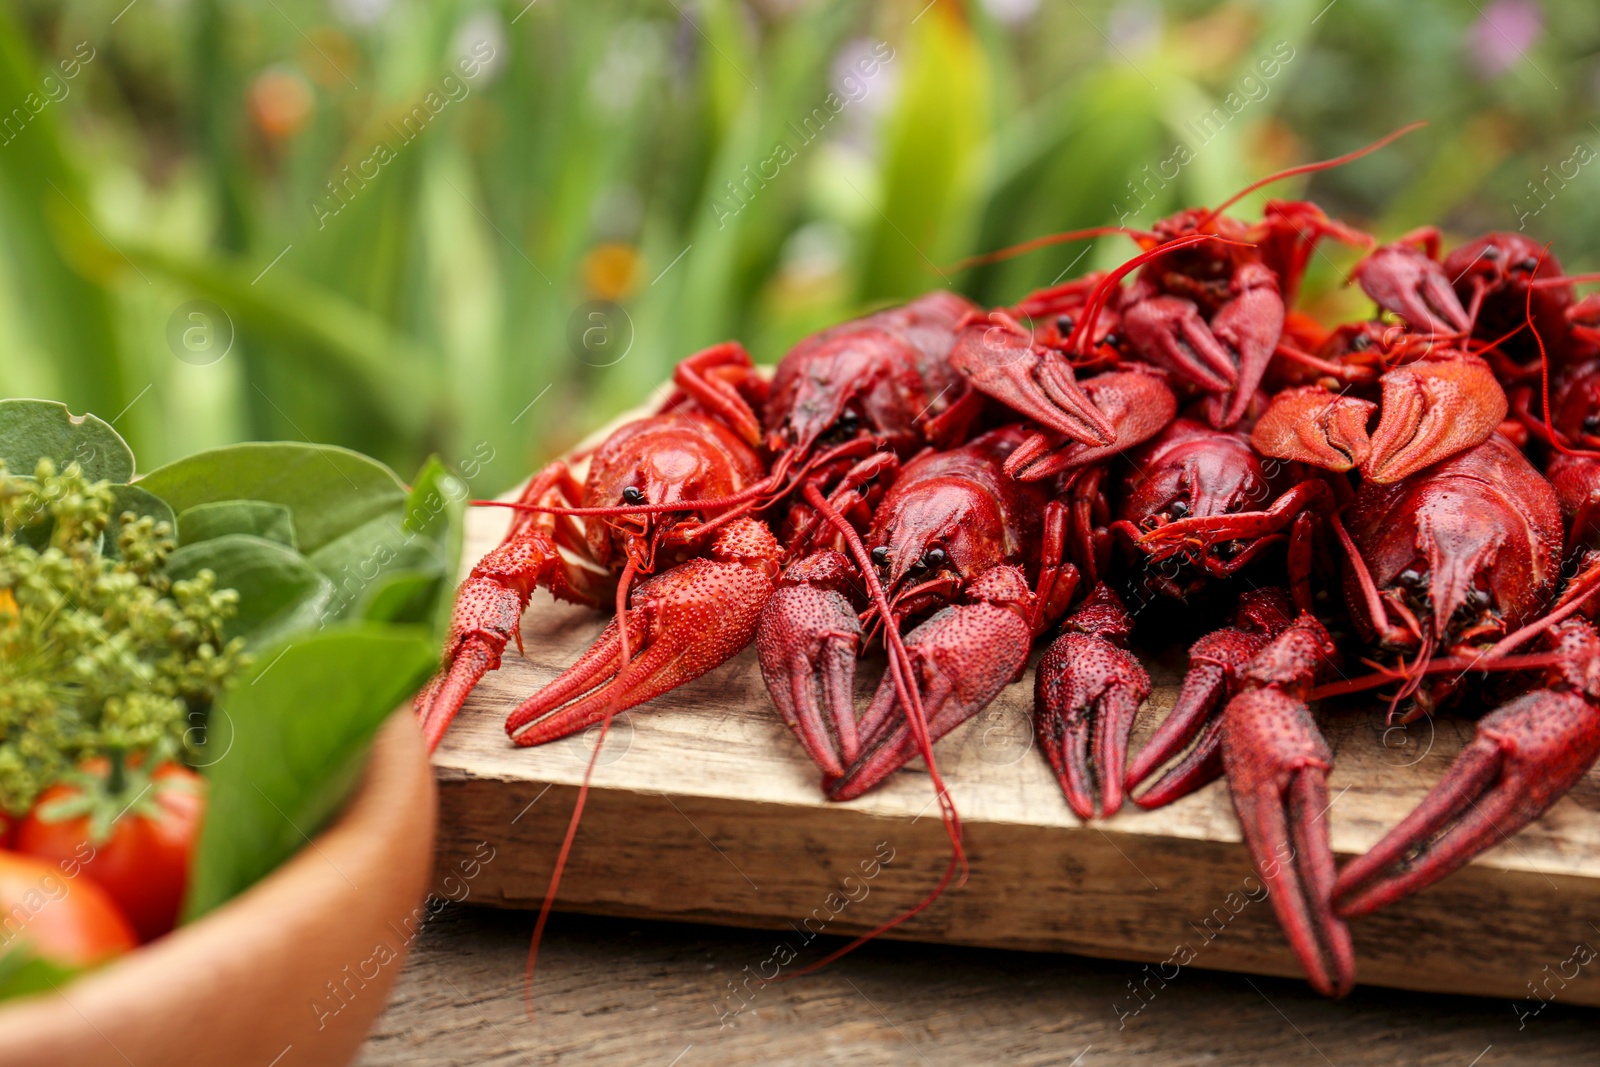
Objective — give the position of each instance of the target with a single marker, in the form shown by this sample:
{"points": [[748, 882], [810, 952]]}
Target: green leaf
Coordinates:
{"points": [[31, 430], [378, 569], [275, 522], [301, 725], [437, 509], [405, 596], [311, 324], [280, 593], [130, 498], [365, 559], [329, 491], [63, 304], [932, 157], [24, 972]]}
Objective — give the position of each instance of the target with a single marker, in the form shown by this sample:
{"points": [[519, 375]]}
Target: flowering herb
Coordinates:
{"points": [[101, 652]]}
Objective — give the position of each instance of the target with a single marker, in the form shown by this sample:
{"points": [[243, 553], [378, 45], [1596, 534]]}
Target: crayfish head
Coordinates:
{"points": [[1575, 409], [1498, 262], [1459, 554], [1440, 599], [1492, 275], [661, 460], [855, 380], [1212, 476], [934, 541], [1205, 271], [1356, 342]]}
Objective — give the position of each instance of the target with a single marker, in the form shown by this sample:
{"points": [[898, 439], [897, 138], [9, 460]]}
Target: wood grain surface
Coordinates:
{"points": [[630, 993], [704, 808]]}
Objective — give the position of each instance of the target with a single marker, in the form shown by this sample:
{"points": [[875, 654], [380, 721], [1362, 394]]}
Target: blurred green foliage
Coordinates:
{"points": [[509, 163]]}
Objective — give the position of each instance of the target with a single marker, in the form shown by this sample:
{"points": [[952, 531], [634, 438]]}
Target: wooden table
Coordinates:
{"points": [[628, 992]]}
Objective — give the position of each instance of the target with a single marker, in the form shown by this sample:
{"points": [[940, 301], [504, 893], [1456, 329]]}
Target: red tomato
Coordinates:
{"points": [[66, 920], [144, 860]]}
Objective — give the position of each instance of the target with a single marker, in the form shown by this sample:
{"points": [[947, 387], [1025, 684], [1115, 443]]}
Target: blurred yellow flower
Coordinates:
{"points": [[611, 270]]}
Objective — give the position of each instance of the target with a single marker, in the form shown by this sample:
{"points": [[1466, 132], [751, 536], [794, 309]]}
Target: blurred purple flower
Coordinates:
{"points": [[1505, 30], [1134, 26], [1011, 12]]}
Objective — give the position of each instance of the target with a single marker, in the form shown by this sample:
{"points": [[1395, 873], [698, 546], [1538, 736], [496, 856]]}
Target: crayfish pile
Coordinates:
{"points": [[959, 483]]}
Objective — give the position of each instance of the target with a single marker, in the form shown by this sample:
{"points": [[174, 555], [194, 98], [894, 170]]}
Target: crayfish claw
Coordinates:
{"points": [[1139, 405], [487, 614], [806, 643], [1431, 410], [1525, 756], [1002, 361], [1277, 765], [1087, 692], [1311, 425], [961, 658], [681, 623], [1404, 279], [1192, 726], [1170, 332], [1216, 666]]}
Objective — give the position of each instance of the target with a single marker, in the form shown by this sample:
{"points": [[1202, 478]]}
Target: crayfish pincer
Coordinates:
{"points": [[1087, 691], [1277, 765], [1524, 757]]}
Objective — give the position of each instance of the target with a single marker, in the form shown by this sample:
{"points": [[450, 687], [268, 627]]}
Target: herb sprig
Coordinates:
{"points": [[100, 653]]}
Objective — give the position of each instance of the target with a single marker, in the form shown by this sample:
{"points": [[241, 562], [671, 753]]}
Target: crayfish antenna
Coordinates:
{"points": [[1550, 434], [623, 586], [904, 679], [1012, 251], [1311, 168]]}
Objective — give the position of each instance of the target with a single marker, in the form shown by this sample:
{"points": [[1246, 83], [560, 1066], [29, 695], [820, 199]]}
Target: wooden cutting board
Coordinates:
{"points": [[704, 808]]}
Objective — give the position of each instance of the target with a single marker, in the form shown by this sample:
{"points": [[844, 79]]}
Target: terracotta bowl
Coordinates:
{"points": [[291, 973]]}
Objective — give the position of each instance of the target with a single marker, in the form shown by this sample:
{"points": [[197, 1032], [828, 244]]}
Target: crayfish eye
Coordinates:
{"points": [[880, 555], [1477, 599], [1113, 339], [1591, 424], [849, 422], [1529, 264], [935, 558], [633, 495], [1360, 343], [1063, 324], [1491, 252], [1411, 578], [1177, 509]]}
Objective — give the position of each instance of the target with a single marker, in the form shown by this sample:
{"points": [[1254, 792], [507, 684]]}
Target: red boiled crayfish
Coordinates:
{"points": [[673, 493], [955, 540]]}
